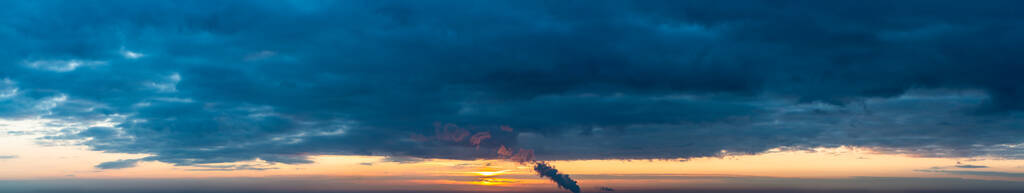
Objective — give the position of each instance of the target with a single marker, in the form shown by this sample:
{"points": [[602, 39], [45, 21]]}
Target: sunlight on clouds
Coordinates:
{"points": [[130, 55], [62, 65], [817, 163], [7, 89], [37, 160], [48, 162], [490, 173], [822, 163], [169, 84], [51, 102]]}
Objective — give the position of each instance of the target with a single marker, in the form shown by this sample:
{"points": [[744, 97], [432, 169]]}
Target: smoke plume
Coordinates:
{"points": [[453, 133], [562, 180]]}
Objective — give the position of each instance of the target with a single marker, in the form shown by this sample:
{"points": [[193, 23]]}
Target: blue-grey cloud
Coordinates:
{"points": [[402, 159], [977, 173], [958, 165], [969, 166], [201, 82], [2, 157], [119, 164], [230, 167]]}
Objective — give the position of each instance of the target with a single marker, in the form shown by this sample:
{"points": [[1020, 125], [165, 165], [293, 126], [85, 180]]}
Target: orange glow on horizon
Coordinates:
{"points": [[490, 173], [488, 181], [376, 173]]}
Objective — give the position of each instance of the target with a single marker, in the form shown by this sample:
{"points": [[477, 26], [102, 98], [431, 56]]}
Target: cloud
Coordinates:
{"points": [[9, 90], [282, 81], [968, 166], [231, 167], [958, 165], [977, 173], [130, 54], [402, 159], [119, 164], [61, 65], [260, 55], [3, 157]]}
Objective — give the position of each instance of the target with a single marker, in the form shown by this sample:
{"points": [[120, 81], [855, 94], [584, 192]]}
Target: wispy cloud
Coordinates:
{"points": [[971, 166], [119, 164], [976, 173], [402, 159], [62, 65], [231, 167], [128, 54]]}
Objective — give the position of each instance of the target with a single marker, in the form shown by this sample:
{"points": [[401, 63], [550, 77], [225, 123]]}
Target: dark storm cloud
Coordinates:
{"points": [[199, 82]]}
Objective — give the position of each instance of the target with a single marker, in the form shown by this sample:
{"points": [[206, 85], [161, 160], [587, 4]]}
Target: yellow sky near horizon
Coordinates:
{"points": [[38, 161]]}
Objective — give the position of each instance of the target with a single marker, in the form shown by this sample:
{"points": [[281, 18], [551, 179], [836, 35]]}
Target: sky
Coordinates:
{"points": [[511, 96]]}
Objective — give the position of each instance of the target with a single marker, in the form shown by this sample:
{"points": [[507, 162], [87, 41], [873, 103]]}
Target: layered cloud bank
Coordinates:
{"points": [[194, 82]]}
